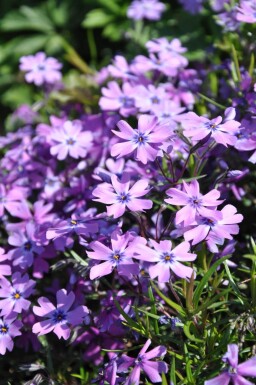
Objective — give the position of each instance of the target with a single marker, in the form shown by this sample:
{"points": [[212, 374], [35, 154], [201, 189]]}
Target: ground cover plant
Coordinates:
{"points": [[127, 194]]}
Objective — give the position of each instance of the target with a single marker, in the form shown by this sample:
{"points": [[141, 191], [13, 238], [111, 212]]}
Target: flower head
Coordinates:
{"points": [[153, 369], [119, 196], [145, 140], [40, 69], [59, 318], [234, 372]]}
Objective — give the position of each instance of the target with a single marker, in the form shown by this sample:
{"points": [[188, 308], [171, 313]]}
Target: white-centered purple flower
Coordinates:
{"points": [[194, 202], [143, 362], [69, 139], [119, 256], [40, 69], [15, 293], [59, 318], [234, 372], [119, 195], [9, 328], [145, 140], [167, 259]]}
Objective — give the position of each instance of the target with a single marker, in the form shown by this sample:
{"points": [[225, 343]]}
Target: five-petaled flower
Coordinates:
{"points": [[59, 318], [153, 369], [234, 372], [119, 196], [145, 140]]}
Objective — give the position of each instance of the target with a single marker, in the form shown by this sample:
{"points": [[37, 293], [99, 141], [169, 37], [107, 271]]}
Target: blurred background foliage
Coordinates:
{"points": [[84, 35]]}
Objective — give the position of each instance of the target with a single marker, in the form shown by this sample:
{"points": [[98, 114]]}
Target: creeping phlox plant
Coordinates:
{"points": [[127, 250]]}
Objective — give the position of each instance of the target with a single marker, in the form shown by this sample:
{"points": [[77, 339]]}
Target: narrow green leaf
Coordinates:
{"points": [[252, 64], [191, 337], [172, 373], [164, 380], [233, 284], [153, 307], [128, 319], [171, 303], [209, 100], [205, 279], [236, 63]]}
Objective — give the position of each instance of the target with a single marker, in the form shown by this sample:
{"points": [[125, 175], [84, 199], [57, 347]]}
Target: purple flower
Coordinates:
{"points": [[40, 69], [145, 9], [116, 99], [234, 372], [198, 127], [246, 12], [145, 140], [148, 99], [27, 245], [215, 231], [167, 259], [194, 202], [11, 199], [4, 269], [15, 293], [59, 318], [69, 139], [9, 328], [74, 225], [153, 369], [118, 256], [119, 196]]}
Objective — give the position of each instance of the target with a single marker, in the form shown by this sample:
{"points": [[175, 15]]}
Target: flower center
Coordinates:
{"points": [[140, 138], [41, 67], [208, 221], [232, 370], [126, 101], [73, 222], [28, 246], [59, 316], [16, 295], [195, 202], [123, 198], [4, 329], [155, 100], [167, 257], [71, 141]]}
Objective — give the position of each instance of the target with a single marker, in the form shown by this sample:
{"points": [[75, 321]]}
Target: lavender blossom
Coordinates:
{"points": [[145, 140], [9, 328], [40, 69], [153, 369], [119, 196], [59, 318], [234, 372], [15, 294], [145, 9]]}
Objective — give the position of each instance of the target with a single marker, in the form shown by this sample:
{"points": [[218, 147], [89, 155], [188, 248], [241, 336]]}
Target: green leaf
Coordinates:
{"points": [[78, 258], [164, 380], [128, 319], [233, 284], [172, 373], [26, 19], [205, 279], [97, 18], [171, 303], [189, 335]]}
